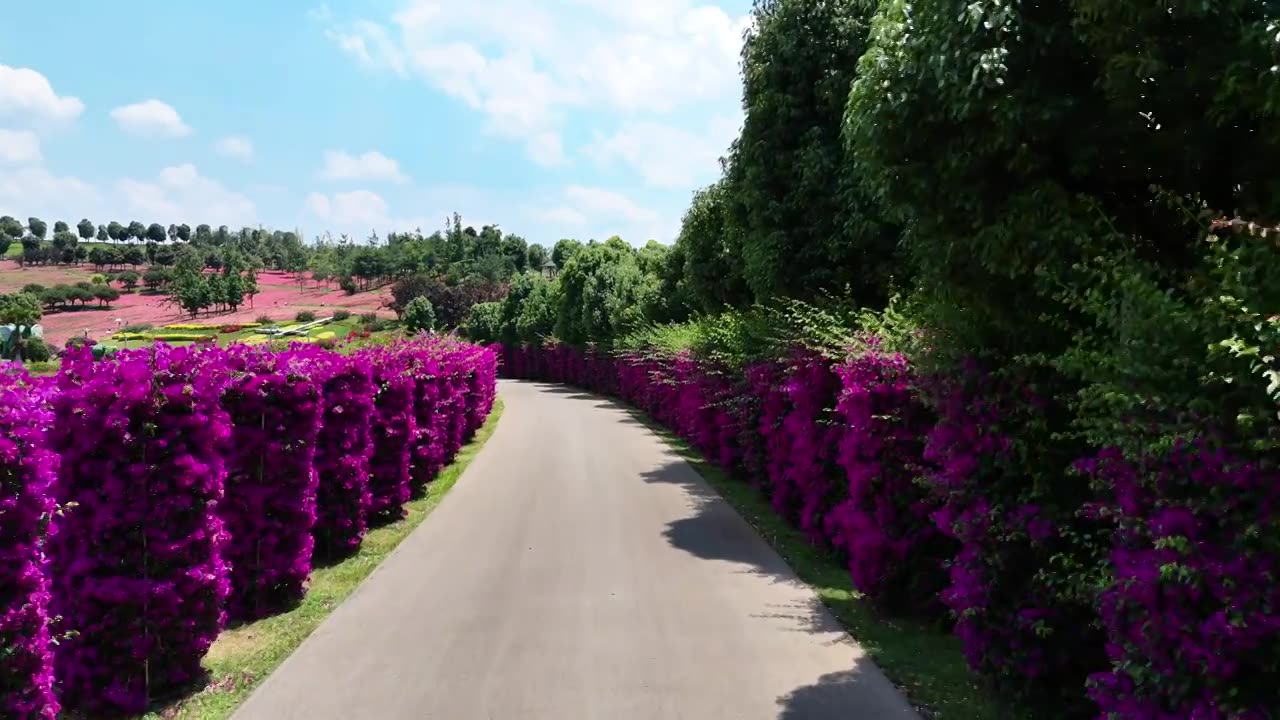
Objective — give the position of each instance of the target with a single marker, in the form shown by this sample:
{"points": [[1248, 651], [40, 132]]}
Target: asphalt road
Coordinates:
{"points": [[580, 570]]}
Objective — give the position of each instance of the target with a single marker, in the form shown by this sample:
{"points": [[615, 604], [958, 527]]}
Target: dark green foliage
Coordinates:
{"points": [[419, 315], [21, 308], [484, 322], [305, 316], [602, 293], [712, 271], [801, 223], [340, 315]]}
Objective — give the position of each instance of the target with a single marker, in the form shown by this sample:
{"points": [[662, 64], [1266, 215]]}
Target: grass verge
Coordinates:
{"points": [[243, 657], [925, 662]]}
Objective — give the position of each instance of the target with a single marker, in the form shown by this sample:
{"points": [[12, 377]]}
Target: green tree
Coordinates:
{"points": [[117, 232], [563, 251], [129, 279], [537, 315], [537, 257], [19, 308], [419, 315], [712, 274], [805, 224], [105, 294], [102, 235], [603, 293], [85, 229], [483, 323], [156, 233], [184, 232], [37, 227], [134, 255], [11, 228], [137, 231], [61, 226]]}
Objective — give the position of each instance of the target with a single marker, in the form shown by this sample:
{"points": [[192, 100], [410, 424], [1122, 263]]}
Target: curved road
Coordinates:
{"points": [[580, 570]]}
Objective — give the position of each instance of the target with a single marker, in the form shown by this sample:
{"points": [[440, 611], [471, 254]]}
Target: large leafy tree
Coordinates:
{"points": [[603, 293], [805, 225], [712, 272], [37, 227], [1046, 127], [85, 229], [564, 250]]}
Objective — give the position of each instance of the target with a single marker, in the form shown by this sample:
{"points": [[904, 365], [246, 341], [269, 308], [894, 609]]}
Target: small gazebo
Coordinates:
{"points": [[549, 269]]}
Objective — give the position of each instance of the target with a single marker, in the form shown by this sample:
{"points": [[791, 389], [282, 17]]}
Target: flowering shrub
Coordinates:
{"points": [[804, 488], [1192, 611], [269, 506], [394, 430], [136, 568], [343, 450], [1019, 585], [27, 471], [894, 551]]}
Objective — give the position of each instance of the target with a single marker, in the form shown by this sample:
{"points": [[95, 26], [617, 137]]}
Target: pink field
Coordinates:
{"points": [[280, 298]]}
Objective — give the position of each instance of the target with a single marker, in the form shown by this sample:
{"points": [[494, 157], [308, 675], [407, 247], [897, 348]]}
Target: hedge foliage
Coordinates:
{"points": [[193, 484], [27, 473]]}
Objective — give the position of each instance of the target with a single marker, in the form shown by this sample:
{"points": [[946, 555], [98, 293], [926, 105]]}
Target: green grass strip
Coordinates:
{"points": [[241, 658], [925, 662]]}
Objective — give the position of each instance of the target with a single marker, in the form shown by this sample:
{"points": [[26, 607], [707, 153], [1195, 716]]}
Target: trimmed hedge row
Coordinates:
{"points": [[195, 484], [1154, 592], [27, 471]]}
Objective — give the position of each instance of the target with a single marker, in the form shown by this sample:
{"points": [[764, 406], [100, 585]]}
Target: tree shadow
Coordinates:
{"points": [[856, 694]]}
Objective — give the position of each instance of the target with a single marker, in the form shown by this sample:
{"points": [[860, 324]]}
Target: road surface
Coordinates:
{"points": [[580, 570]]}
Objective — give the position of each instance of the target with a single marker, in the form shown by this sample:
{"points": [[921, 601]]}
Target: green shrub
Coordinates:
{"points": [[265, 319], [484, 322], [37, 350], [368, 318], [340, 315], [136, 328], [305, 316], [419, 315]]}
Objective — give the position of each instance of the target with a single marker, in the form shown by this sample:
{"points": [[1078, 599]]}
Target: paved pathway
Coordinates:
{"points": [[580, 570]]}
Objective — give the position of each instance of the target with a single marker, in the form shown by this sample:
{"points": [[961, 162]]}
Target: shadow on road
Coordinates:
{"points": [[837, 695]]}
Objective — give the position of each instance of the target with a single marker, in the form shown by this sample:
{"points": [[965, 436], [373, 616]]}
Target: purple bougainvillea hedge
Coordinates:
{"points": [[27, 470], [1144, 588], [194, 486]]}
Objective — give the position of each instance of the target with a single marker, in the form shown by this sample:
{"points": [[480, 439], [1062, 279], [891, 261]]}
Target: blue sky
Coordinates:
{"points": [[558, 118]]}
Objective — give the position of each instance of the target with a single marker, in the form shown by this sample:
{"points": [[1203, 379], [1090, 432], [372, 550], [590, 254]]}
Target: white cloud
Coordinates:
{"points": [[591, 212], [546, 149], [19, 147], [150, 118], [36, 191], [182, 194], [372, 165], [358, 207], [26, 94], [525, 66], [236, 146], [665, 155]]}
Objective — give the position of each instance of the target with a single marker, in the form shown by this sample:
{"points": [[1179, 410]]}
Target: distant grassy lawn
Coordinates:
{"points": [[242, 658], [922, 660]]}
